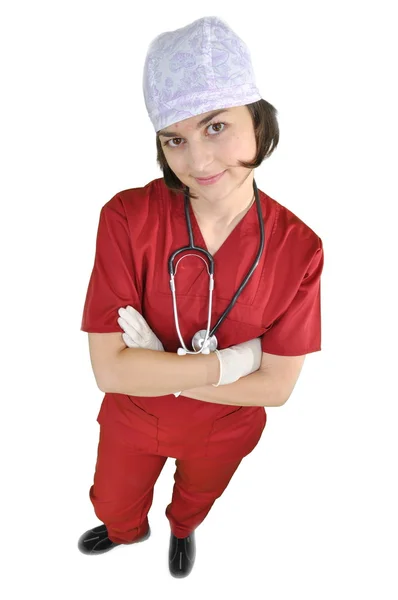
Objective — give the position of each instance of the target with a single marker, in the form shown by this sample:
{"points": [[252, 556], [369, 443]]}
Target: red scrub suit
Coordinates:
{"points": [[138, 230]]}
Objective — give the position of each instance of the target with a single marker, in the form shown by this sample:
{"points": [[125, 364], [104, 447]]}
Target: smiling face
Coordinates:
{"points": [[210, 144]]}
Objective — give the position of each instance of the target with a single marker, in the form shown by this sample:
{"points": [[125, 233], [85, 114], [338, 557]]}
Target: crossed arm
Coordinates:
{"points": [[271, 385], [140, 372]]}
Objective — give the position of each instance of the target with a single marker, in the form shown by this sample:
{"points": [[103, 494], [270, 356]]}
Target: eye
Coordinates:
{"points": [[216, 125], [208, 126], [172, 140]]}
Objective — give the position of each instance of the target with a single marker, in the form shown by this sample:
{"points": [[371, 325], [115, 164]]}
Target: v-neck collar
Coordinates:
{"points": [[244, 226], [231, 261]]}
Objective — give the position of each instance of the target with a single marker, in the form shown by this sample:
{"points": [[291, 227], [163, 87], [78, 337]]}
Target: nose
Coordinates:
{"points": [[200, 157]]}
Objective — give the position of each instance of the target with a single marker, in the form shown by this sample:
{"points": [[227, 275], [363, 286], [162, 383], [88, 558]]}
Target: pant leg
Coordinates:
{"points": [[200, 480], [122, 492], [198, 483]]}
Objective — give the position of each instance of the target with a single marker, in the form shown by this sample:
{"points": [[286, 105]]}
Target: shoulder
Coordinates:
{"points": [[289, 230], [135, 198], [294, 249], [139, 204]]}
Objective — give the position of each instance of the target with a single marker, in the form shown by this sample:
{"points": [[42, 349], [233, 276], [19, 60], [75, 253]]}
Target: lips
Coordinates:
{"points": [[211, 179]]}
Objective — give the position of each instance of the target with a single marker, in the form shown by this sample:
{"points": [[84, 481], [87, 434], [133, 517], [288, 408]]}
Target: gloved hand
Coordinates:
{"points": [[239, 361], [137, 333]]}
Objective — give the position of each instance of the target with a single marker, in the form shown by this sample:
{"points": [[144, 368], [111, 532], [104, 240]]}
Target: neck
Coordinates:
{"points": [[224, 211]]}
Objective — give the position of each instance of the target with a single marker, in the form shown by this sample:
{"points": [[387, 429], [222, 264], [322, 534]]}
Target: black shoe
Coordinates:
{"points": [[182, 552], [96, 541]]}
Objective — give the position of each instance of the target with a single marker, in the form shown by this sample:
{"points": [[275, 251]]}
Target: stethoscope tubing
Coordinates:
{"points": [[210, 270]]}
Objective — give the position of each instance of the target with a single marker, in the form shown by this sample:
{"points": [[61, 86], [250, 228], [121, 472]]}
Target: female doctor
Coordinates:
{"points": [[203, 300]]}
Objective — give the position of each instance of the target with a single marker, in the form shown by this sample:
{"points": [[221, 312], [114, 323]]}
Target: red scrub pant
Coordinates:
{"points": [[137, 435]]}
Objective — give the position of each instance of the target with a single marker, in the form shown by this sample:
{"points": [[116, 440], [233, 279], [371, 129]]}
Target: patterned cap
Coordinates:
{"points": [[198, 68]]}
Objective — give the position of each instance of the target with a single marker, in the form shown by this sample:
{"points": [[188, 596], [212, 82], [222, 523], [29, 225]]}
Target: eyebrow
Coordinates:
{"points": [[200, 124]]}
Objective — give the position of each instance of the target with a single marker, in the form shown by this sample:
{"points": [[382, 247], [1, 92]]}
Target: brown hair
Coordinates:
{"points": [[266, 130]]}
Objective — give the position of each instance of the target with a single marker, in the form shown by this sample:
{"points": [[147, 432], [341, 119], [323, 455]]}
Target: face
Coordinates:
{"points": [[210, 144]]}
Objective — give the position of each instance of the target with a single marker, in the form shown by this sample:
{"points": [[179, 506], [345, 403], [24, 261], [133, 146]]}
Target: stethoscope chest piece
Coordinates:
{"points": [[199, 338]]}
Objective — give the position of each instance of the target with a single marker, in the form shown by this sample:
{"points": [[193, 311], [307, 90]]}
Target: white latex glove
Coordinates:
{"points": [[239, 361], [137, 333]]}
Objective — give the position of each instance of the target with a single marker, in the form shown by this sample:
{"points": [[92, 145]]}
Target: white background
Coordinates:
{"points": [[311, 513]]}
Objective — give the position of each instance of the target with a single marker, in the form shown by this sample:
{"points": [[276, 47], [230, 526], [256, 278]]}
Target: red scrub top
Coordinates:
{"points": [[140, 228]]}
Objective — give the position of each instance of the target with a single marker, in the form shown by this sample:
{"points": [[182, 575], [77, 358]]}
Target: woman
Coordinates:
{"points": [[204, 407]]}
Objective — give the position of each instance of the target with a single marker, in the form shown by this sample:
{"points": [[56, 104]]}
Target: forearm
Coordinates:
{"points": [[139, 372], [257, 389]]}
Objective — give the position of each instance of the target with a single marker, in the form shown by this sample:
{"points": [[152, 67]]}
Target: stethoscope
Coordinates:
{"points": [[204, 341]]}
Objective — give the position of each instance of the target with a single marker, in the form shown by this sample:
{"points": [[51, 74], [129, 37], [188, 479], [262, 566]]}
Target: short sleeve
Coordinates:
{"points": [[113, 282], [298, 330]]}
